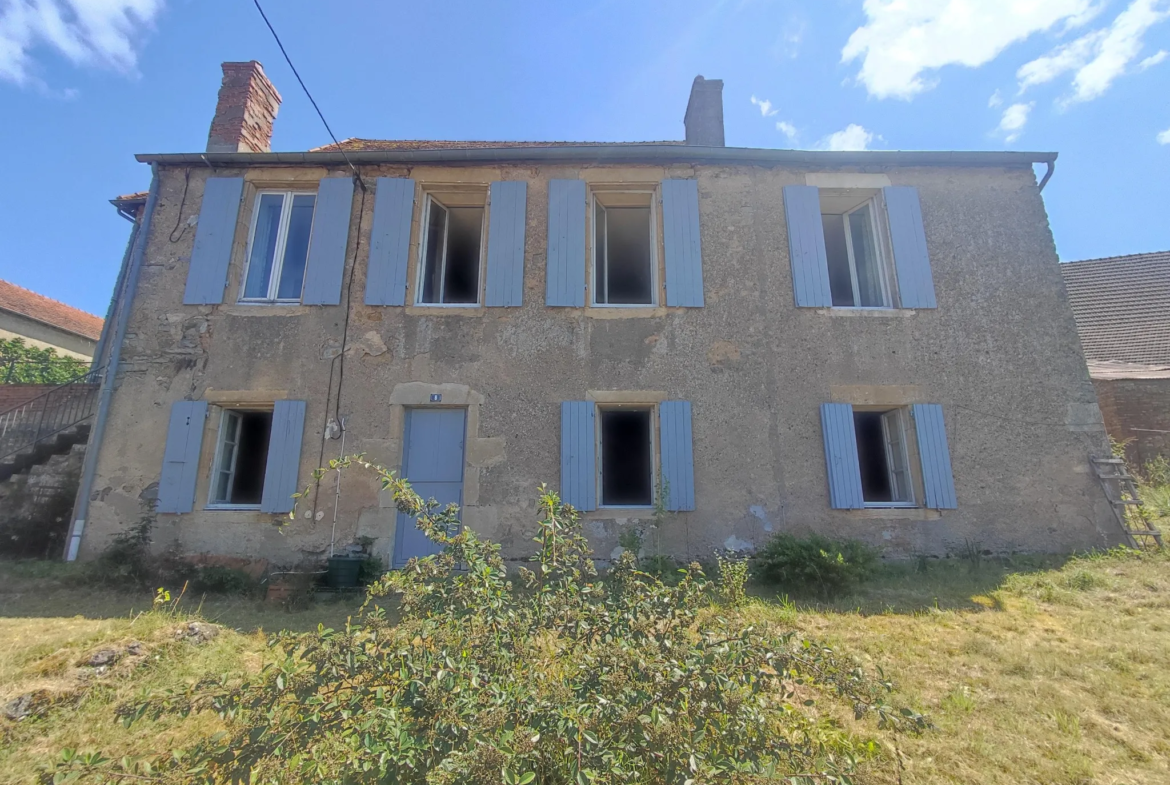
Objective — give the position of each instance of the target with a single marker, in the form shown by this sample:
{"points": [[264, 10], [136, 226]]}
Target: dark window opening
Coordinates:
{"points": [[623, 262], [243, 457], [881, 454], [627, 463], [452, 259]]}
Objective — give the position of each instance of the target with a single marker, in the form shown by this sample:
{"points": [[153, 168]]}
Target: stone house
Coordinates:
{"points": [[873, 345], [1122, 310]]}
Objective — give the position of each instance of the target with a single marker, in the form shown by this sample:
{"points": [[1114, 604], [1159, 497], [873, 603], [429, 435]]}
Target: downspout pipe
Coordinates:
{"points": [[139, 239]]}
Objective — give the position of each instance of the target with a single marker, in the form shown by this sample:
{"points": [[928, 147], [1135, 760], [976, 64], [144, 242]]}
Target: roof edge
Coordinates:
{"points": [[611, 154]]}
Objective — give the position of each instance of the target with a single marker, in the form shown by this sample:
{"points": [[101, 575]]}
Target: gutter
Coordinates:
{"points": [[138, 239], [610, 153]]}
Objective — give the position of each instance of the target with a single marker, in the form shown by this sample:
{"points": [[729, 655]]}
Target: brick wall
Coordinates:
{"points": [[1132, 404]]}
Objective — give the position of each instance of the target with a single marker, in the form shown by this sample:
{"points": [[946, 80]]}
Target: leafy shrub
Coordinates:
{"points": [[566, 680], [815, 563]]}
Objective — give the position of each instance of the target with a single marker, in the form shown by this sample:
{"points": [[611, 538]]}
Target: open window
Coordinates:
{"points": [[278, 247], [241, 458], [856, 248], [623, 248], [882, 457], [452, 250], [627, 457]]}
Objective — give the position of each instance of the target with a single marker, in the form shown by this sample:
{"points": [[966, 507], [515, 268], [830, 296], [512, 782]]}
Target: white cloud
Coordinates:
{"points": [[765, 106], [99, 33], [1164, 137], [902, 41], [995, 100], [1153, 60], [1015, 117], [851, 137], [786, 128]]}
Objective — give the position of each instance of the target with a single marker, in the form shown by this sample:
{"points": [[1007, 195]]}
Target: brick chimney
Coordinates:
{"points": [[704, 117], [245, 111]]}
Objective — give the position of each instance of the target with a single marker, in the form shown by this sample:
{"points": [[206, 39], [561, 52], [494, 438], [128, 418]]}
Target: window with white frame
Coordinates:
{"points": [[278, 247], [451, 255], [856, 247], [626, 465], [241, 457], [882, 457], [624, 258]]}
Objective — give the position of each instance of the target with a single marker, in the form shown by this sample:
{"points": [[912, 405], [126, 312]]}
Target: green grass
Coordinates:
{"points": [[1033, 671]]}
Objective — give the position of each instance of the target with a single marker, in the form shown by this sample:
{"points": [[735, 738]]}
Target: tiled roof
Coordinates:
{"points": [[43, 309], [355, 144], [1122, 307]]}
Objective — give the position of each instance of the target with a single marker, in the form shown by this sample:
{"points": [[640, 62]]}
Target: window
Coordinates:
{"points": [[627, 458], [452, 252], [881, 454], [855, 245], [241, 458], [279, 245], [623, 249]]}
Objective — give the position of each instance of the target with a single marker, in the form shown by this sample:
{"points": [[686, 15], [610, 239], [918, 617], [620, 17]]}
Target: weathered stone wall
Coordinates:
{"points": [[1000, 353], [1137, 411]]}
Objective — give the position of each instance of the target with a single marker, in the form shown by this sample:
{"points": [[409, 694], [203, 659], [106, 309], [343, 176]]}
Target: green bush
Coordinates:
{"points": [[815, 564], [565, 680]]}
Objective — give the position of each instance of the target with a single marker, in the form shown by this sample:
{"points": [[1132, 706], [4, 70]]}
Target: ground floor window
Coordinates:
{"points": [[881, 454], [241, 458], [627, 458]]}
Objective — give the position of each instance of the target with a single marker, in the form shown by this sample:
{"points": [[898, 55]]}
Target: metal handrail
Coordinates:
{"points": [[49, 413]]}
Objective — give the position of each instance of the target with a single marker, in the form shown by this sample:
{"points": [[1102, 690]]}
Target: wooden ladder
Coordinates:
{"points": [[1122, 494]]}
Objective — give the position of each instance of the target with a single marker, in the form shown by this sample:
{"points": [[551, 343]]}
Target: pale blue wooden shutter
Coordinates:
{"points": [[806, 247], [565, 281], [933, 451], [326, 262], [579, 454], [284, 456], [678, 455], [841, 456], [505, 257], [390, 241], [907, 235], [176, 483], [684, 252], [214, 235]]}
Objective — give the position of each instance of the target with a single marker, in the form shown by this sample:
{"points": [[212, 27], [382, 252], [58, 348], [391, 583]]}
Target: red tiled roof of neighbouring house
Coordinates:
{"points": [[354, 144], [1122, 307], [19, 300]]}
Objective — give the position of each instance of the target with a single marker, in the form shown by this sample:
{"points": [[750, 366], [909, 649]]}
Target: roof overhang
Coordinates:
{"points": [[616, 153]]}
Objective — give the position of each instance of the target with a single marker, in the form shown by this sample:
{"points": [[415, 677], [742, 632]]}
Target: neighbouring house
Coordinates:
{"points": [[873, 345], [1122, 309]]}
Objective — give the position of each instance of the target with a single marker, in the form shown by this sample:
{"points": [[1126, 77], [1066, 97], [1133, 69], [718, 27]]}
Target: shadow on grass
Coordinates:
{"points": [[910, 587]]}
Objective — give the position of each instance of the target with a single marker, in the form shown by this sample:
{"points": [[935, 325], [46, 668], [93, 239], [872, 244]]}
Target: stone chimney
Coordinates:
{"points": [[704, 117], [245, 111]]}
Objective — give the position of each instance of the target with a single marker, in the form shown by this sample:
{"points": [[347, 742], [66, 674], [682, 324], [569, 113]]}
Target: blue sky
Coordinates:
{"points": [[85, 84]]}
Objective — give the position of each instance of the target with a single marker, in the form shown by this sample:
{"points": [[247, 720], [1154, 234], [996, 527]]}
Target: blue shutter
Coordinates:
{"points": [[806, 247], [565, 283], [326, 262], [915, 284], [207, 272], [505, 257], [390, 241], [678, 455], [579, 454], [684, 253], [935, 455], [841, 456], [176, 484], [284, 456]]}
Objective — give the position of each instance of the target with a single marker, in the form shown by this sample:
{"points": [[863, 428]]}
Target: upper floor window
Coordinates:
{"points": [[452, 251], [278, 247], [624, 260], [856, 249]]}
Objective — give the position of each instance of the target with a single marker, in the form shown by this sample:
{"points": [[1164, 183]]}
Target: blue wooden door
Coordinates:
{"points": [[432, 461]]}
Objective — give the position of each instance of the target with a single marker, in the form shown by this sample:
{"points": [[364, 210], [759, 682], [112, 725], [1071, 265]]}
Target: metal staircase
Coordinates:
{"points": [[1123, 498], [49, 424]]}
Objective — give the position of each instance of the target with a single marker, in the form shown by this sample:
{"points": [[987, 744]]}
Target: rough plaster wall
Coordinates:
{"points": [[1000, 354]]}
